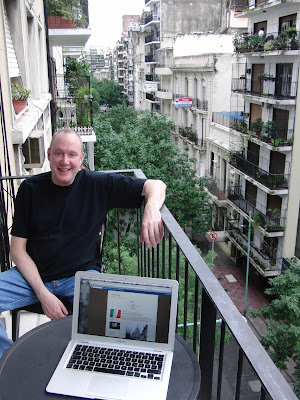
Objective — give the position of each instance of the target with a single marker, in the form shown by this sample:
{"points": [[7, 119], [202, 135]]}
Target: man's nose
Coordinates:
{"points": [[65, 159]]}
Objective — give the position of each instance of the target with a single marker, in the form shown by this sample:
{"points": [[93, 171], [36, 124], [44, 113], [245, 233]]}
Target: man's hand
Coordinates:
{"points": [[152, 225], [52, 306]]}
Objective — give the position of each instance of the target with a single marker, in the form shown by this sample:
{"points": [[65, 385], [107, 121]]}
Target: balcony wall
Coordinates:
{"points": [[203, 302]]}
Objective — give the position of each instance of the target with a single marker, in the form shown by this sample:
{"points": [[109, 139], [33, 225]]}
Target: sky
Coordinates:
{"points": [[105, 18]]}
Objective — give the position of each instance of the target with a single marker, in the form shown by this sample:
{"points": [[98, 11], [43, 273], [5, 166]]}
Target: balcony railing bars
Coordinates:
{"points": [[248, 42], [270, 180], [152, 38], [207, 301], [265, 258], [151, 17], [213, 186], [271, 224], [263, 87]]}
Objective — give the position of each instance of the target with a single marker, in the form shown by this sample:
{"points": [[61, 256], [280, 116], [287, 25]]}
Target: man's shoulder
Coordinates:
{"points": [[37, 179]]}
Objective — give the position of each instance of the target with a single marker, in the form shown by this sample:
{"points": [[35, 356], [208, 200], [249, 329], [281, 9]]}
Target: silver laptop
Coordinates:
{"points": [[123, 332]]}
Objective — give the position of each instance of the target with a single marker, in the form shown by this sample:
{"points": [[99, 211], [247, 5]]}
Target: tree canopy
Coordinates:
{"points": [[106, 92], [282, 337], [128, 139]]}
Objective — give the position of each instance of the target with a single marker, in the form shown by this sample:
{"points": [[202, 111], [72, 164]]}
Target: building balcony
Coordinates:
{"points": [[280, 140], [152, 98], [271, 181], [69, 27], [263, 259], [70, 110], [152, 39], [275, 41], [164, 94], [150, 59], [151, 18], [266, 88], [148, 2], [152, 78], [201, 105], [205, 310], [213, 186], [272, 221]]}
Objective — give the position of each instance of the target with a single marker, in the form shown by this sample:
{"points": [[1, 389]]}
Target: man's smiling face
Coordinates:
{"points": [[65, 155]]}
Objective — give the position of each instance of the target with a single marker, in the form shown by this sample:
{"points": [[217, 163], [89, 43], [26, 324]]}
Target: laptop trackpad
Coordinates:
{"points": [[107, 387]]}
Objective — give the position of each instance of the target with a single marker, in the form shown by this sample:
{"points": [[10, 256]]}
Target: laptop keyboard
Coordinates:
{"points": [[113, 361]]}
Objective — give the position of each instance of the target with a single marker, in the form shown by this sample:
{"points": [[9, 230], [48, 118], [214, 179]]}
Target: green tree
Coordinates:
{"points": [[77, 76], [107, 92], [128, 139], [282, 337]]}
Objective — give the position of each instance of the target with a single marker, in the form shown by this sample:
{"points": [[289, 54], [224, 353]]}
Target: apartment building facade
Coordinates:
{"points": [[257, 174]]}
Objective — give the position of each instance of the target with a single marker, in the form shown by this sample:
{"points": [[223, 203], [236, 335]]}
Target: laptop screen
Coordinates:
{"points": [[126, 310]]}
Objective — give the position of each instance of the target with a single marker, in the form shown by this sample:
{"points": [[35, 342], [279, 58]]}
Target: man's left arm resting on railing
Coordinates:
{"points": [[152, 225]]}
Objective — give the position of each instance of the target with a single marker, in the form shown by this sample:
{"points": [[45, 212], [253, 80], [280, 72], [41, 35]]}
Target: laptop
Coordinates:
{"points": [[122, 342]]}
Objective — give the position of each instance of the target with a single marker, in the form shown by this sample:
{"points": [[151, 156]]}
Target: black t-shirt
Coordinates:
{"points": [[62, 224]]}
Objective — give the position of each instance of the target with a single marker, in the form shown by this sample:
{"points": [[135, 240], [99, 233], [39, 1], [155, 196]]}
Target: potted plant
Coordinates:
{"points": [[19, 96], [256, 126], [270, 129]]}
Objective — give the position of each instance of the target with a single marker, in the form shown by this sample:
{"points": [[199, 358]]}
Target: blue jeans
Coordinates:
{"points": [[15, 292]]}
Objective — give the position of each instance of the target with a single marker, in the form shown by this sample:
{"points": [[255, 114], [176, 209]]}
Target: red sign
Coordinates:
{"points": [[213, 235]]}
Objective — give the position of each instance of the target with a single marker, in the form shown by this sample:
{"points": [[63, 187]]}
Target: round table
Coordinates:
{"points": [[27, 366]]}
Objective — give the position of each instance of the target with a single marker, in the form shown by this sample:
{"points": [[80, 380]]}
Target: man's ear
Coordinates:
{"points": [[48, 153], [82, 157]]}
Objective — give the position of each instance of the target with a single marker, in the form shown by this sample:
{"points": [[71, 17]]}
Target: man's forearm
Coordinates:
{"points": [[51, 305], [155, 191], [152, 225], [25, 264]]}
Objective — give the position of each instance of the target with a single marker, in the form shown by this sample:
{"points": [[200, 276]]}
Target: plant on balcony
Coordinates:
{"points": [[241, 126], [281, 41], [256, 42], [291, 32], [270, 45], [61, 8], [269, 129], [256, 126], [266, 77], [258, 221], [19, 96]]}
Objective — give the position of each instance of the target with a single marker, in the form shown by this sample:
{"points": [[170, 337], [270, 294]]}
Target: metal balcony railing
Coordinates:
{"points": [[271, 41], [272, 221], [270, 180], [213, 185], [152, 38], [150, 58], [72, 101], [151, 17], [204, 308], [264, 258], [265, 87]]}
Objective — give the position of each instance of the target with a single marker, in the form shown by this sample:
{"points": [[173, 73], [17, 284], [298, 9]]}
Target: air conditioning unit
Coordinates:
{"points": [[34, 150]]}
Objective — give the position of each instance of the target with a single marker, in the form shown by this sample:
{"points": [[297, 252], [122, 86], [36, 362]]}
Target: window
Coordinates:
{"points": [[34, 150]]}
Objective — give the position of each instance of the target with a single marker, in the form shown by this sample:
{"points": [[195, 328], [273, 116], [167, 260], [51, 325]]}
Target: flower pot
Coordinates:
{"points": [[19, 105]]}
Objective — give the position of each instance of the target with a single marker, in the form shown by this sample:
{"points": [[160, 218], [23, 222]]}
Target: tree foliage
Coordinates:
{"points": [[127, 139], [77, 76], [107, 92], [282, 337]]}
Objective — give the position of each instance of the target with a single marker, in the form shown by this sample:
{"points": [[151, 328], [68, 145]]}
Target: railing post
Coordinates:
{"points": [[207, 345]]}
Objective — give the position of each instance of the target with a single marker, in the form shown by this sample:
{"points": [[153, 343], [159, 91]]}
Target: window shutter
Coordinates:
{"points": [[13, 66]]}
